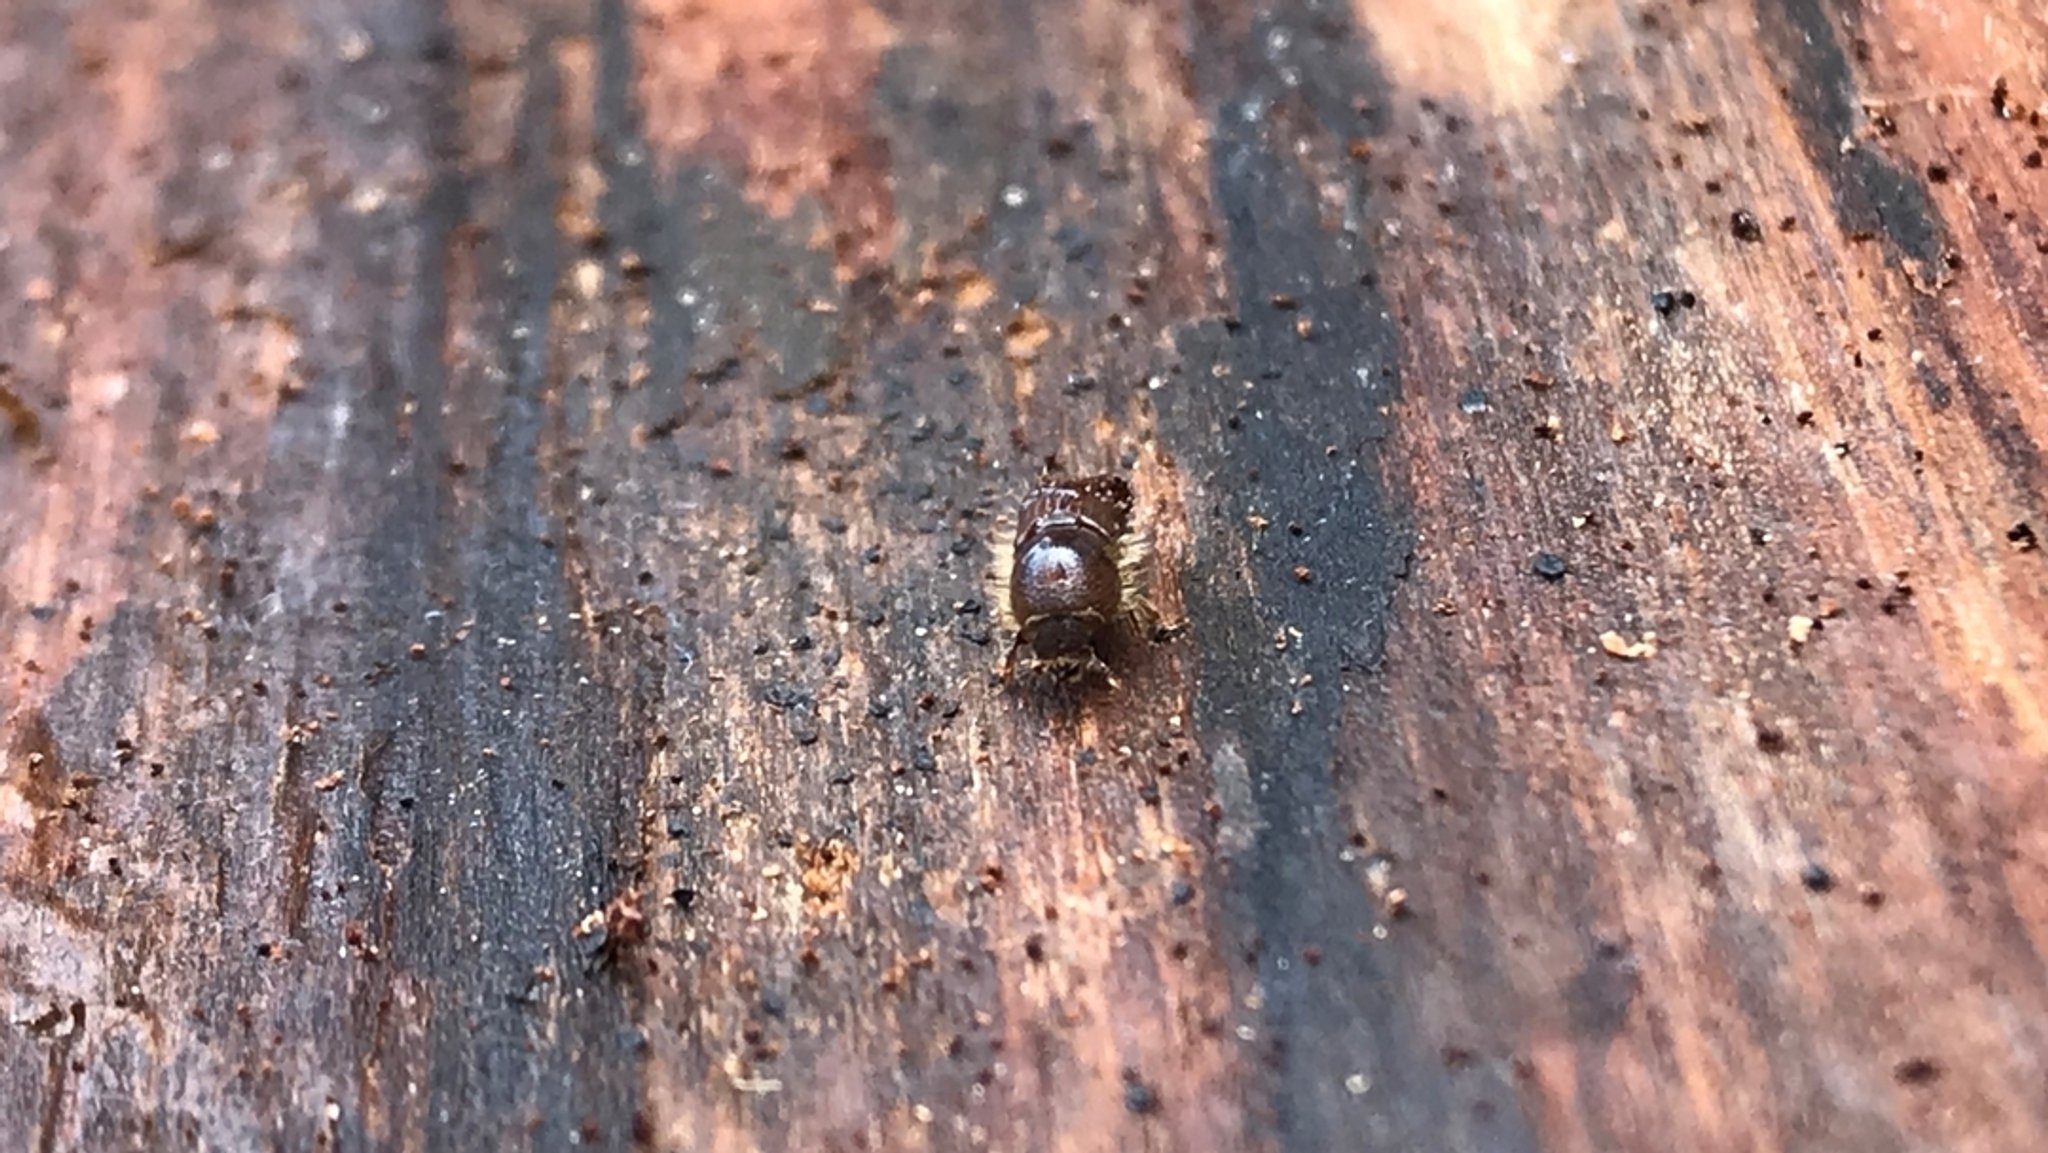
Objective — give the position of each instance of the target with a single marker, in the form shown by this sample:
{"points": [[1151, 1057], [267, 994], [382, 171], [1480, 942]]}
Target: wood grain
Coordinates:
{"points": [[496, 497]]}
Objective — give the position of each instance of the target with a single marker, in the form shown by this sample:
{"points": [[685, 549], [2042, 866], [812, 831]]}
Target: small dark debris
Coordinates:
{"points": [[873, 616], [784, 695], [2022, 537], [1743, 225], [2032, 159], [1937, 173], [185, 237], [1900, 596], [1180, 892], [1771, 739], [880, 707], [1139, 1098], [1549, 566], [1816, 878], [923, 761], [1917, 1071]]}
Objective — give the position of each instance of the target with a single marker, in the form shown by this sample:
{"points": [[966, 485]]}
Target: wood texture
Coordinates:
{"points": [[475, 465]]}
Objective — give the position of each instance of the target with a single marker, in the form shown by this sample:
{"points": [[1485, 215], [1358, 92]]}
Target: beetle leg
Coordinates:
{"points": [[1095, 666]]}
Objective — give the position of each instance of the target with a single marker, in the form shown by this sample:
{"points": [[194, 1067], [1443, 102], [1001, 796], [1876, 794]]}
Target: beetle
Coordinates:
{"points": [[1073, 573]]}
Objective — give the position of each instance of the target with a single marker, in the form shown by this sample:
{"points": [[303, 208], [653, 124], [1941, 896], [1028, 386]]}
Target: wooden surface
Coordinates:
{"points": [[469, 465]]}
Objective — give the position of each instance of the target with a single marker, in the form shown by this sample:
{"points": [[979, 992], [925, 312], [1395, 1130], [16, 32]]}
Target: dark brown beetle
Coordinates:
{"points": [[1073, 572]]}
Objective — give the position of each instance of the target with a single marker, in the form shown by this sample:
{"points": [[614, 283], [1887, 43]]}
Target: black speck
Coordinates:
{"points": [[1180, 892], [1549, 566], [1139, 1098], [1916, 1071], [2022, 537], [1816, 878], [785, 695], [1665, 302], [1937, 174], [1742, 223]]}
